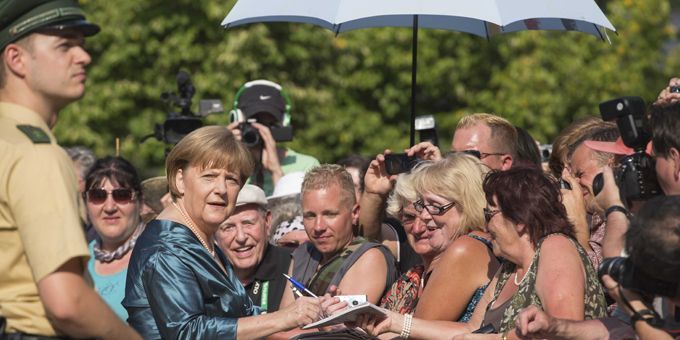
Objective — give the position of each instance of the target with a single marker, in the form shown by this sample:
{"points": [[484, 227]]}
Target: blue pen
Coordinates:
{"points": [[299, 285]]}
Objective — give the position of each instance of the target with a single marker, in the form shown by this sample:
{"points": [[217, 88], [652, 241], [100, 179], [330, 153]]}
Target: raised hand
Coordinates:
{"points": [[377, 180]]}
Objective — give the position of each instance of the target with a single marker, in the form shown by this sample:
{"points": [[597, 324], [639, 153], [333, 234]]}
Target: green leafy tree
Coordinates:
{"points": [[351, 93]]}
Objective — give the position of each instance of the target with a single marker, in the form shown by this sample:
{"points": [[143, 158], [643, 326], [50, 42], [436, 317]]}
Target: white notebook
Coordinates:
{"points": [[349, 315]]}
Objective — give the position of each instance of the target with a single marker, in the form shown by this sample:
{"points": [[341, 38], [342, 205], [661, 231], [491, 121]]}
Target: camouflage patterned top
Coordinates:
{"points": [[595, 305]]}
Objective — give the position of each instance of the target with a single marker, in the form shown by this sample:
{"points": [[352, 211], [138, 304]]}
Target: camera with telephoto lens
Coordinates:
{"points": [[623, 271], [251, 137], [635, 174]]}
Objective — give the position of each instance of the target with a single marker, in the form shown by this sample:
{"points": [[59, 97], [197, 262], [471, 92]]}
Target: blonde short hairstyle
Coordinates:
{"points": [[210, 147], [458, 178], [325, 175], [503, 133], [404, 193]]}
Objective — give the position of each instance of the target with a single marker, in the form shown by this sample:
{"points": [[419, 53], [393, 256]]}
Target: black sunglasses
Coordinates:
{"points": [[481, 155], [121, 195], [489, 214], [434, 210]]}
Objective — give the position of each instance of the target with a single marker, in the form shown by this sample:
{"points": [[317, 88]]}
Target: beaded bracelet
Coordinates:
{"points": [[406, 327]]}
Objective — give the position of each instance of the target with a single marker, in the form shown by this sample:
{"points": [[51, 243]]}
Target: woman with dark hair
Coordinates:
{"points": [[530, 229], [113, 197], [544, 265]]}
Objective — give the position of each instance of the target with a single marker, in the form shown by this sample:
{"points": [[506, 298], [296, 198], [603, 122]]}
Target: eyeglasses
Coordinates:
{"points": [[489, 214], [481, 155], [121, 195], [432, 209]]}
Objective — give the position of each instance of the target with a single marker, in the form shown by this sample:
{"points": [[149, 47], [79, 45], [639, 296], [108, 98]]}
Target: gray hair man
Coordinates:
{"points": [[243, 239]]}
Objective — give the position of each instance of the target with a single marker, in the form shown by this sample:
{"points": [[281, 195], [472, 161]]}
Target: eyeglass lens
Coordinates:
{"points": [[98, 196], [419, 206], [475, 153]]}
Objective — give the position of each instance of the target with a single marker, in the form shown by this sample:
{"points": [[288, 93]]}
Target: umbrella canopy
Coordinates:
{"points": [[484, 18]]}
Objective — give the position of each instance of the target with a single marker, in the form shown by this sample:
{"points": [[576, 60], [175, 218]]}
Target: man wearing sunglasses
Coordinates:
{"points": [[43, 293], [488, 137]]}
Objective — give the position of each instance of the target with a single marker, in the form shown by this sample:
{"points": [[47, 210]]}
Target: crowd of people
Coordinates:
{"points": [[484, 241]]}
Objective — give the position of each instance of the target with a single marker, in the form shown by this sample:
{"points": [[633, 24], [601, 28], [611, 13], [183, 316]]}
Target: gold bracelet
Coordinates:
{"points": [[504, 336]]}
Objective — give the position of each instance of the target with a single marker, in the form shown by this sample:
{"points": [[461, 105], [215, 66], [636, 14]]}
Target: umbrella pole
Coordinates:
{"points": [[414, 69]]}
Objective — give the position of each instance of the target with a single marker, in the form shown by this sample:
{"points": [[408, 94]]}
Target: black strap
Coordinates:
{"points": [[649, 316], [614, 208], [354, 256]]}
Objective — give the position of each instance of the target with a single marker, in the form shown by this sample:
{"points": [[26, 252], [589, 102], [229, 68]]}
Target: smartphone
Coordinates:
{"points": [[396, 163]]}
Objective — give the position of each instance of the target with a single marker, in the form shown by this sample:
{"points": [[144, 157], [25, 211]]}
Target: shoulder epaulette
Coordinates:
{"points": [[35, 134]]}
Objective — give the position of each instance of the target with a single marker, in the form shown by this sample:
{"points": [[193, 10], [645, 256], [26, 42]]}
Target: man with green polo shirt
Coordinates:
{"points": [[43, 293]]}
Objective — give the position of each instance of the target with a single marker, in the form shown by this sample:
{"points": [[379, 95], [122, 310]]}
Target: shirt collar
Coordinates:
{"points": [[24, 115], [266, 271]]}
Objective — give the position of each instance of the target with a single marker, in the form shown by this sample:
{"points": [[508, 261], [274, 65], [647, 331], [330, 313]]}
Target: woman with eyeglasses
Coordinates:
{"points": [[180, 285], [113, 200], [543, 263], [450, 208]]}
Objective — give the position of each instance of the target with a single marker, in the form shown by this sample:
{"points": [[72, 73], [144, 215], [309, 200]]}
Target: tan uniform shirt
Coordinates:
{"points": [[39, 221]]}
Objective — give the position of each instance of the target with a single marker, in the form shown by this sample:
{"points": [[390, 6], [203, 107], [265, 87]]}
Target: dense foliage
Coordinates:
{"points": [[351, 93]]}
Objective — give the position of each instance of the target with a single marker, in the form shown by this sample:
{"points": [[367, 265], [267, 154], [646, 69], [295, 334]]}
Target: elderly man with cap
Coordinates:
{"points": [[43, 252], [243, 239], [266, 106]]}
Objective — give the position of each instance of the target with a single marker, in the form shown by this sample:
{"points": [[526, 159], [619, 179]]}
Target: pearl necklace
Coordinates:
{"points": [[523, 277], [193, 228]]}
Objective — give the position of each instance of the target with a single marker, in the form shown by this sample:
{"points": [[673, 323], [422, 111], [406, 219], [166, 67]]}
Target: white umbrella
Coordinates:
{"points": [[480, 17]]}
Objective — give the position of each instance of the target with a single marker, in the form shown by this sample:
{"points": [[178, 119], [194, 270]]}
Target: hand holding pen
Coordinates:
{"points": [[329, 303], [298, 287]]}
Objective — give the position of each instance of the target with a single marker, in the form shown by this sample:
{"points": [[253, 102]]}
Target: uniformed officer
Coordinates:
{"points": [[43, 293]]}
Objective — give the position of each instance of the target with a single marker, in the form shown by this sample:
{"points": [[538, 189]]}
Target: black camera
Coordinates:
{"points": [[623, 271], [396, 163], [635, 175], [251, 137]]}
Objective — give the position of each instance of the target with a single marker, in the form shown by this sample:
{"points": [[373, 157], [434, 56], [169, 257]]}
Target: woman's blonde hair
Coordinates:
{"points": [[458, 178], [210, 147], [404, 192]]}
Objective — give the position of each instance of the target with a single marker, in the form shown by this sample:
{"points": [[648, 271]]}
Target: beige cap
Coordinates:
{"points": [[251, 194]]}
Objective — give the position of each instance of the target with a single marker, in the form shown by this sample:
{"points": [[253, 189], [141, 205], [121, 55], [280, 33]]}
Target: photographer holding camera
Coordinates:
{"points": [[261, 118], [653, 246]]}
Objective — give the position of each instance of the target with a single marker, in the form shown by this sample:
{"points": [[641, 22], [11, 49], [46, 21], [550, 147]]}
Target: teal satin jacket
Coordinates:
{"points": [[174, 290]]}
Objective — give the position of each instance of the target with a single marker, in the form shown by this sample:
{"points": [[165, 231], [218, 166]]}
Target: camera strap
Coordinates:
{"points": [[259, 171], [648, 314]]}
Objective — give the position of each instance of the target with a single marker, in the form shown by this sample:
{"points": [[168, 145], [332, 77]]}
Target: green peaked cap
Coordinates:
{"points": [[19, 18]]}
